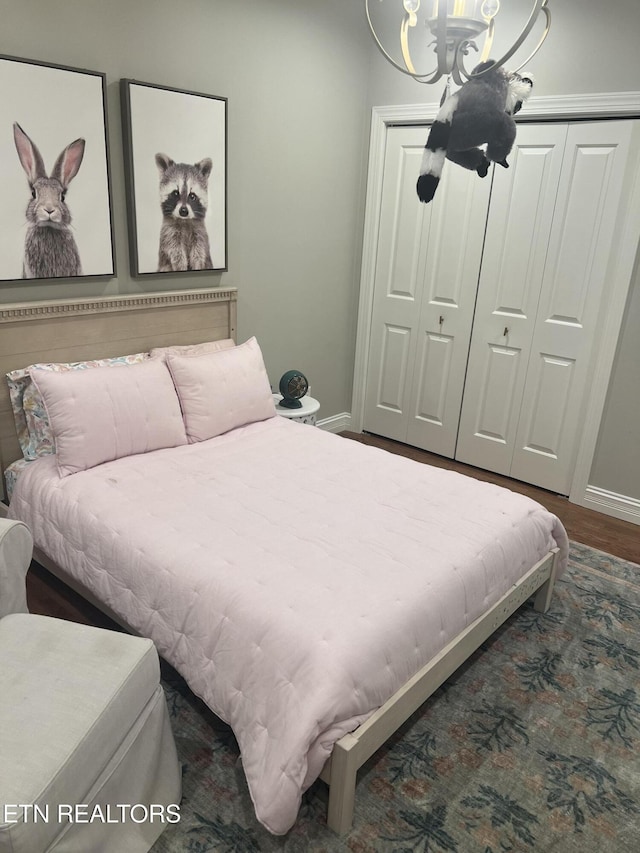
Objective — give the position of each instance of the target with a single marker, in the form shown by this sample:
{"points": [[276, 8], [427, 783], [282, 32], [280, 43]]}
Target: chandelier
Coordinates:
{"points": [[454, 26]]}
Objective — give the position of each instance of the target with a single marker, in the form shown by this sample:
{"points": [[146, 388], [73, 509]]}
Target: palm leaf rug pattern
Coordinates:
{"points": [[532, 745]]}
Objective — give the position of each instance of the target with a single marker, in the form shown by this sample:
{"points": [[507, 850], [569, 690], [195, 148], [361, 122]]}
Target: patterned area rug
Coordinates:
{"points": [[532, 745]]}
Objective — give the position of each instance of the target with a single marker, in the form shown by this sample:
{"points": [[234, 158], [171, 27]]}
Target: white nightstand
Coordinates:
{"points": [[304, 415]]}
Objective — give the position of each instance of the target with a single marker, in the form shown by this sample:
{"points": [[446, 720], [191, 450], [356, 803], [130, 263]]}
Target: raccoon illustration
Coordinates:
{"points": [[184, 188]]}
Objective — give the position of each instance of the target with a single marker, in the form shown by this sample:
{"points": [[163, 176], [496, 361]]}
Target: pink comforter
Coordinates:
{"points": [[294, 578]]}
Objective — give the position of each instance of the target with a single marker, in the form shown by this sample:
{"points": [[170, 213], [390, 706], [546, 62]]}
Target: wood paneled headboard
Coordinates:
{"points": [[78, 329]]}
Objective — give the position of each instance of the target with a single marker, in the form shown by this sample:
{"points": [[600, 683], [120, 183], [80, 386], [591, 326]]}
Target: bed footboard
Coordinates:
{"points": [[352, 750]]}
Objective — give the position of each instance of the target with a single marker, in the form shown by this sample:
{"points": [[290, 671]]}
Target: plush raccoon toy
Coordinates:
{"points": [[479, 113]]}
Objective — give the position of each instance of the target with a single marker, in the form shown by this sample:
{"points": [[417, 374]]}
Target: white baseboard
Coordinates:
{"points": [[610, 503], [335, 423]]}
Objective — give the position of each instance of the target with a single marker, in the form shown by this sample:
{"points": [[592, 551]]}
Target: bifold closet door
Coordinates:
{"points": [[551, 227], [427, 267], [520, 219], [574, 289]]}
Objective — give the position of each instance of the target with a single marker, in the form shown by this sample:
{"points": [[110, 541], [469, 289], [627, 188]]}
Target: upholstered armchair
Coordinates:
{"points": [[84, 728]]}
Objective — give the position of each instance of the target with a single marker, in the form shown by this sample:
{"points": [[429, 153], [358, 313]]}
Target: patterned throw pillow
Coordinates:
{"points": [[32, 424]]}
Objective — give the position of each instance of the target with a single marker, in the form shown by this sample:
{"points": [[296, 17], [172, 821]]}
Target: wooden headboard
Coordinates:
{"points": [[79, 329]]}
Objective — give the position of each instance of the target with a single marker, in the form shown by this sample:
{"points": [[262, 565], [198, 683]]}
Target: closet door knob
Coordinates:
{"points": [[506, 331]]}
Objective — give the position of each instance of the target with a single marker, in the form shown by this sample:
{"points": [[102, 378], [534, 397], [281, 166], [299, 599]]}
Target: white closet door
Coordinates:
{"points": [[565, 340], [522, 205], [426, 269], [452, 255]]}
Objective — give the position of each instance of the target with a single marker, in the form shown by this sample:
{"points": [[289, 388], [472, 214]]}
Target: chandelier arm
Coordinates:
{"points": [[433, 76], [547, 13], [404, 43], [488, 42], [539, 6], [459, 72]]}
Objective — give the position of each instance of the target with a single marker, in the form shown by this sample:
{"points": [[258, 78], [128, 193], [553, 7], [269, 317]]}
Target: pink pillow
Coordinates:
{"points": [[103, 414], [32, 424], [222, 390]]}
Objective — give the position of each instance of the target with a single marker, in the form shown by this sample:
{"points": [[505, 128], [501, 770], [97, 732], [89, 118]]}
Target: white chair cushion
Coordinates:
{"points": [[70, 694]]}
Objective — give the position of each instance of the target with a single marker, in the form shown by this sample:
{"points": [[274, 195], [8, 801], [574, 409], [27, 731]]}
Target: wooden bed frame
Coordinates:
{"points": [[74, 330]]}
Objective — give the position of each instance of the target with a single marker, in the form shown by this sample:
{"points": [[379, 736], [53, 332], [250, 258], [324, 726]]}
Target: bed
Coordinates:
{"points": [[313, 591]]}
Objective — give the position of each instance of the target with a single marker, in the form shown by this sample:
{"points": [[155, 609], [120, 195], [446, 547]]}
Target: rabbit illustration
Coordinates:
{"points": [[50, 250]]}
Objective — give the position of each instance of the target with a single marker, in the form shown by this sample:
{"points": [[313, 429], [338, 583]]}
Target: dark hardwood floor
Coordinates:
{"points": [[48, 596]]}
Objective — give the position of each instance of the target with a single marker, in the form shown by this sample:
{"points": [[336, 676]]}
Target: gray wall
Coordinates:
{"points": [[295, 75], [301, 79], [616, 464]]}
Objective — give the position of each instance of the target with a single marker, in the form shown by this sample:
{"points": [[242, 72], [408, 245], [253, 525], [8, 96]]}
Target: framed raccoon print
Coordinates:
{"points": [[56, 222], [175, 146]]}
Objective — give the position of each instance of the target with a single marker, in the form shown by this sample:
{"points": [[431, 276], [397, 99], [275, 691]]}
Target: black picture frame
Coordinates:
{"points": [[53, 129], [175, 155]]}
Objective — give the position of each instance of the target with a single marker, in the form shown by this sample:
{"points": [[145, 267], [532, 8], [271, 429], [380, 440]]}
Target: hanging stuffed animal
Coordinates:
{"points": [[479, 113]]}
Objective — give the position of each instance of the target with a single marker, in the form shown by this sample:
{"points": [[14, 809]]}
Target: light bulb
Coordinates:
{"points": [[490, 9]]}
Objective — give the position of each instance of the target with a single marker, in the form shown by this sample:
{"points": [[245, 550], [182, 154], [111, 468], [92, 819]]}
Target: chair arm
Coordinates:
{"points": [[16, 549]]}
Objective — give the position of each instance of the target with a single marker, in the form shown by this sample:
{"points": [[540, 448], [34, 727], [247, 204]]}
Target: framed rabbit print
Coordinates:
{"points": [[175, 159], [55, 170]]}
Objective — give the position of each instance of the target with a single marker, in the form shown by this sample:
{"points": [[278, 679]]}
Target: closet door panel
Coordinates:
{"points": [[427, 268], [396, 341], [565, 338], [432, 381], [497, 397], [453, 250], [398, 287], [520, 215], [545, 410]]}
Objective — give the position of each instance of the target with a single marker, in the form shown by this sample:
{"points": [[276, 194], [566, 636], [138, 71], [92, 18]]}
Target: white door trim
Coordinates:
{"points": [[620, 280], [594, 106]]}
